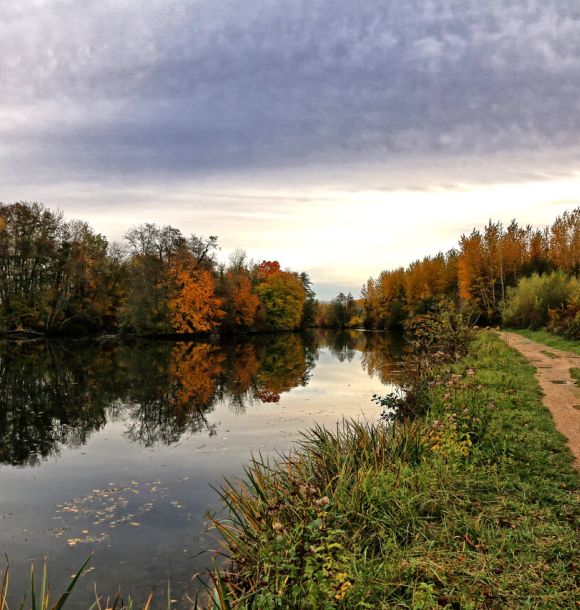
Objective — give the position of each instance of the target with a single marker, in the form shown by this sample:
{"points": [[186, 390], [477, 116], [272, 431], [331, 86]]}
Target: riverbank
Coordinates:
{"points": [[473, 505]]}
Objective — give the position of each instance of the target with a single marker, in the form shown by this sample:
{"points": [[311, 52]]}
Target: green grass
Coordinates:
{"points": [[575, 374], [39, 599], [474, 506], [547, 338]]}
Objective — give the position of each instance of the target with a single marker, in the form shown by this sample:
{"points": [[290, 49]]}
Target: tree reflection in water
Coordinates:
{"points": [[56, 394]]}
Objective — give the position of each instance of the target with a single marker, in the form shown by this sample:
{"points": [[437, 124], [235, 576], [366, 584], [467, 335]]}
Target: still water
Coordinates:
{"points": [[112, 448]]}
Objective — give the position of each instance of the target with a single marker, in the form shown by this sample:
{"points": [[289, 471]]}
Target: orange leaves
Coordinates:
{"points": [[242, 300], [195, 307], [486, 264], [267, 268]]}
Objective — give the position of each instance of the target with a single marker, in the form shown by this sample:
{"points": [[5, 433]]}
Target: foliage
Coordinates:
{"points": [[528, 304], [434, 338], [58, 276], [478, 274], [267, 268], [282, 296], [241, 303], [445, 333], [344, 311], [565, 319], [194, 308], [473, 505], [54, 275]]}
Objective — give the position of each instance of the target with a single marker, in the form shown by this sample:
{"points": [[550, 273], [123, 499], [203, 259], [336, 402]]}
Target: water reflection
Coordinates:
{"points": [[56, 394]]}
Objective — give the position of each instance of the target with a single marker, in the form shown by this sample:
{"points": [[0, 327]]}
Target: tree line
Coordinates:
{"points": [[60, 276], [481, 276]]}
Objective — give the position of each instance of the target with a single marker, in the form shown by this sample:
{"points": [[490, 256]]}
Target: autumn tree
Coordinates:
{"points": [[172, 287], [282, 296], [267, 268], [241, 303], [194, 307]]}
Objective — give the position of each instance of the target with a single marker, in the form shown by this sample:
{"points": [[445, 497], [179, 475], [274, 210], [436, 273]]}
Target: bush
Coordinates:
{"points": [[434, 338], [565, 320], [528, 305]]}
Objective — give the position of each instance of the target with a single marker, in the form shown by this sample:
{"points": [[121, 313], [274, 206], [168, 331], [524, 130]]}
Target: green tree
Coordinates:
{"points": [[282, 296]]}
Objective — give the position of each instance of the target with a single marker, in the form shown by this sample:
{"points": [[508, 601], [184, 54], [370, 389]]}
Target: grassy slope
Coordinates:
{"points": [[473, 507], [547, 338]]}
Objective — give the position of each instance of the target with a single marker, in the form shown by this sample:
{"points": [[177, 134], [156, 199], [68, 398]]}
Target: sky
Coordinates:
{"points": [[340, 137]]}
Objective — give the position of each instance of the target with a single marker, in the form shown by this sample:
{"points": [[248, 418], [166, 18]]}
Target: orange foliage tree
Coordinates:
{"points": [[195, 307], [242, 303], [266, 269], [478, 274]]}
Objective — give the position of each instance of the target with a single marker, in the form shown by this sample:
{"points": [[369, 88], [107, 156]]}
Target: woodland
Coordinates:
{"points": [[520, 276], [59, 276]]}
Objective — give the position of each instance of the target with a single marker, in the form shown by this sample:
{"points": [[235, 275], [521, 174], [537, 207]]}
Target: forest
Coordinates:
{"points": [[517, 275], [61, 277]]}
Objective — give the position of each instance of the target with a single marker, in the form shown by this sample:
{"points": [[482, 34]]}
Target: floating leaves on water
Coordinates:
{"points": [[57, 532], [87, 539], [110, 507]]}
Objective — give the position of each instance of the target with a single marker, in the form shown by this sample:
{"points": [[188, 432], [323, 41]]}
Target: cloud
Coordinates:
{"points": [[170, 87], [341, 137]]}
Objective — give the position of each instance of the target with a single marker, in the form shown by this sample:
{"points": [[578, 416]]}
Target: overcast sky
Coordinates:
{"points": [[340, 137]]}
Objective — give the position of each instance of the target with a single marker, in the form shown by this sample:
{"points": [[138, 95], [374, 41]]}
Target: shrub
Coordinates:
{"points": [[434, 338], [528, 305], [565, 320]]}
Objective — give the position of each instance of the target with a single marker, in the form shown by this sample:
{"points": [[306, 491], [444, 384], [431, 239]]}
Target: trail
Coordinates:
{"points": [[561, 395]]}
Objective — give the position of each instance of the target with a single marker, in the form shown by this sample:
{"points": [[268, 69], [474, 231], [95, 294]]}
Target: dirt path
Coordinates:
{"points": [[561, 395]]}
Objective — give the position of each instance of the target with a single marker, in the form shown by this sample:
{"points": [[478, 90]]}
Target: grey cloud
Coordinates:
{"points": [[178, 87]]}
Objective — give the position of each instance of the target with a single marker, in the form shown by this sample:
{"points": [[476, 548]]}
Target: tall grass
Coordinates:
{"points": [[38, 600]]}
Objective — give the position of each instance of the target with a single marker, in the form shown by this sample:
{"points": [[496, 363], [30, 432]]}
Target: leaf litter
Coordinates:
{"points": [[107, 509]]}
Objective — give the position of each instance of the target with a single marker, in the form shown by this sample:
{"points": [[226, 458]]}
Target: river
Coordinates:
{"points": [[114, 447]]}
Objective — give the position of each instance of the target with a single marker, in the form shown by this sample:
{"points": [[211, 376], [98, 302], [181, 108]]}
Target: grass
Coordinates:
{"points": [[575, 374], [38, 599], [547, 338], [475, 505]]}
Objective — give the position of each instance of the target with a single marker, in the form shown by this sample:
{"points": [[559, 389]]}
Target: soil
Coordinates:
{"points": [[561, 395]]}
